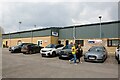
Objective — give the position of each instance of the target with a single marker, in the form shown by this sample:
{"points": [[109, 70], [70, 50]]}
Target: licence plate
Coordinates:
{"points": [[64, 56], [91, 58]]}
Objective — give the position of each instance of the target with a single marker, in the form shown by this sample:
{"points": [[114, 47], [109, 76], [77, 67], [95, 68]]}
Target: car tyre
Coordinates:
{"points": [[24, 52], [30, 52], [53, 53], [118, 59]]}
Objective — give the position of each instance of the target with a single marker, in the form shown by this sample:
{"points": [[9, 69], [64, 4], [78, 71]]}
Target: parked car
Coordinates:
{"points": [[96, 54], [17, 49], [117, 53], [66, 52], [51, 50], [31, 48]]}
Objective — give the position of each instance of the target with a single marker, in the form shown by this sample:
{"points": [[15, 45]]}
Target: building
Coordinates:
{"points": [[88, 35]]}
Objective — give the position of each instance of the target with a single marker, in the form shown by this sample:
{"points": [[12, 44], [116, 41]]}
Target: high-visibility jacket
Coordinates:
{"points": [[73, 50]]}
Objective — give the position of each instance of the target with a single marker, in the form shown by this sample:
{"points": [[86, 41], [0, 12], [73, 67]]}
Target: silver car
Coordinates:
{"points": [[96, 54]]}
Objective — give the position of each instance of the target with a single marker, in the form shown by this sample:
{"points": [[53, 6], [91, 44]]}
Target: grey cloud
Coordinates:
{"points": [[55, 14]]}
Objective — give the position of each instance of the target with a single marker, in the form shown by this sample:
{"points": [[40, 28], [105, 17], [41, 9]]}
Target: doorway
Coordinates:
{"points": [[67, 42]]}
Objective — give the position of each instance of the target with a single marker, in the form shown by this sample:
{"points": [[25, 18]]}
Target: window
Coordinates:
{"points": [[113, 42], [79, 42]]}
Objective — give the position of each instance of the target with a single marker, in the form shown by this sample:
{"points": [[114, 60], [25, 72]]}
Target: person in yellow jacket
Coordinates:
{"points": [[74, 54]]}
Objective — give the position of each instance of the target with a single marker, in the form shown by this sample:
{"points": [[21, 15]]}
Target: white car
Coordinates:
{"points": [[117, 53], [51, 50]]}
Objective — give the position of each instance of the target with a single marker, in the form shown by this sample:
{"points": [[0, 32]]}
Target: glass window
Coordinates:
{"points": [[113, 42], [79, 42]]}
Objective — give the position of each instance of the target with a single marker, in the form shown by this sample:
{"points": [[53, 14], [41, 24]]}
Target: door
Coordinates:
{"points": [[67, 42], [39, 42]]}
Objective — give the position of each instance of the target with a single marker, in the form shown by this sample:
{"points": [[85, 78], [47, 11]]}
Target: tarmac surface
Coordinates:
{"points": [[18, 65]]}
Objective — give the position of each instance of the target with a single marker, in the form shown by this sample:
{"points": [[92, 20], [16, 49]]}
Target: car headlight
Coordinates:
{"points": [[13, 48]]}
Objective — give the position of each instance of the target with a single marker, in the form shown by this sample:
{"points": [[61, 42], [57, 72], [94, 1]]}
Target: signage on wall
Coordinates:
{"points": [[54, 33], [94, 41]]}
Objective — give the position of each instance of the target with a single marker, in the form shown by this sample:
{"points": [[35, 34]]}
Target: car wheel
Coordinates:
{"points": [[85, 60], [53, 53], [30, 52], [118, 59], [115, 56], [59, 57], [42, 55]]}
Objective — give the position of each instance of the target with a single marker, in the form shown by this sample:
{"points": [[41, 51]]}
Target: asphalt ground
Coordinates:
{"points": [[18, 65]]}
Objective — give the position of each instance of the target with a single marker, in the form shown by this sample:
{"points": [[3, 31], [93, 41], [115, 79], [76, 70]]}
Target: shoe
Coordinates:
{"points": [[69, 60], [75, 63]]}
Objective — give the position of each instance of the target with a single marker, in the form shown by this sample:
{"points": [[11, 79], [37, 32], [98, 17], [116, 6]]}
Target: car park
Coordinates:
{"points": [[51, 50], [17, 49], [31, 48], [117, 53], [96, 54], [66, 52]]}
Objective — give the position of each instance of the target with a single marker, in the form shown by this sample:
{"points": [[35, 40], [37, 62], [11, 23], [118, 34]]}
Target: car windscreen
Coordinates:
{"points": [[50, 46], [96, 49], [67, 47]]}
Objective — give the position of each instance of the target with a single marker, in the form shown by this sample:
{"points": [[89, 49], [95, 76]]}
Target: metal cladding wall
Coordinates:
{"points": [[109, 30], [66, 33], [42, 33], [28, 34]]}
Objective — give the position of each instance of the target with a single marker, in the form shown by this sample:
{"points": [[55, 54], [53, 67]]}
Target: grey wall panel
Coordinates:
{"points": [[5, 36], [93, 31], [110, 30], [42, 33], [17, 35], [25, 34], [87, 32], [66, 33]]}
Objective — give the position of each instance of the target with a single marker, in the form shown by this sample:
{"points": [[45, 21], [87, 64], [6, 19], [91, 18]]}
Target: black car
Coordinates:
{"points": [[31, 48], [17, 49], [66, 52]]}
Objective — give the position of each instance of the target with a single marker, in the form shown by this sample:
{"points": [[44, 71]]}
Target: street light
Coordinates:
{"points": [[35, 26], [19, 25], [100, 27], [74, 29]]}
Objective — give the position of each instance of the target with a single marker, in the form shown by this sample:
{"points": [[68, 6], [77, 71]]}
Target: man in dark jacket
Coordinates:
{"points": [[79, 53]]}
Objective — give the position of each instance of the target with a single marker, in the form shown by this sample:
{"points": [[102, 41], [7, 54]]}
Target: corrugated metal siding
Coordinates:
{"points": [[28, 34], [66, 33], [93, 31], [87, 32], [110, 30], [5, 36], [42, 33]]}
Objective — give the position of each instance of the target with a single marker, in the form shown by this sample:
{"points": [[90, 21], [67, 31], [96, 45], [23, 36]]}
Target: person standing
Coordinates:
{"points": [[74, 54], [79, 53]]}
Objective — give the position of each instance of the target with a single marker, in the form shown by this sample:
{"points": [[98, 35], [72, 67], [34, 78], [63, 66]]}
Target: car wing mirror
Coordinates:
{"points": [[118, 50]]}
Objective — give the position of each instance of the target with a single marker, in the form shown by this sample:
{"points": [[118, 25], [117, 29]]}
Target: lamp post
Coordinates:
{"points": [[9, 40], [100, 27], [74, 33], [19, 25], [34, 26], [74, 29]]}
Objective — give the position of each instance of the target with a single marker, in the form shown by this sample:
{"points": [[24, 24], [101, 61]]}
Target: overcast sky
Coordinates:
{"points": [[54, 14]]}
